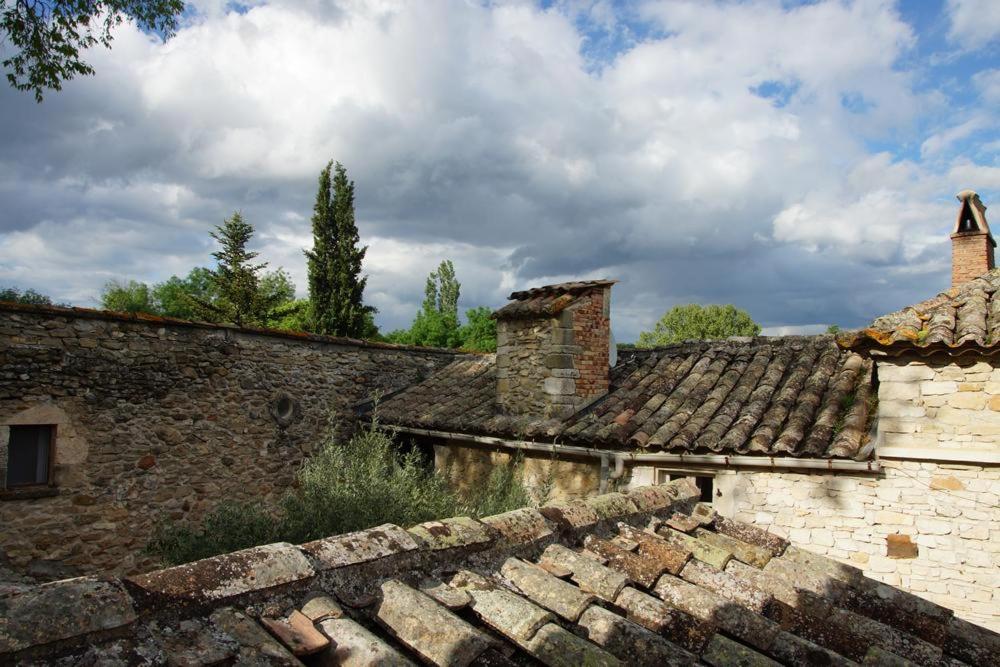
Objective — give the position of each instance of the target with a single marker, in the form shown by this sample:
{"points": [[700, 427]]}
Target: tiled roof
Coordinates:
{"points": [[783, 396], [620, 579], [547, 301], [964, 318]]}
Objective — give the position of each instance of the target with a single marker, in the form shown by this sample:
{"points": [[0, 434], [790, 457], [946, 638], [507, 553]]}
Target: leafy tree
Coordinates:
{"points": [[336, 286], [297, 319], [46, 36], [436, 325], [29, 297], [833, 328], [127, 297], [696, 322], [480, 331], [178, 297]]}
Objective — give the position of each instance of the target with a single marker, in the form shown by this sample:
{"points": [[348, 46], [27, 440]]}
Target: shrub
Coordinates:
{"points": [[366, 482], [231, 526]]}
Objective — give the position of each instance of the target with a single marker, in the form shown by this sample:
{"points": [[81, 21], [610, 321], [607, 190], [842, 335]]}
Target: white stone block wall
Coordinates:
{"points": [[950, 511], [949, 405]]}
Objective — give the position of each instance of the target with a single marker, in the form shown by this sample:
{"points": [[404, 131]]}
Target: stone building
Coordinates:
{"points": [[880, 449], [110, 424], [645, 578]]}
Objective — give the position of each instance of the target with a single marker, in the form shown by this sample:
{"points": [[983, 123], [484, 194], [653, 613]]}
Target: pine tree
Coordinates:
{"points": [[235, 278], [336, 286]]}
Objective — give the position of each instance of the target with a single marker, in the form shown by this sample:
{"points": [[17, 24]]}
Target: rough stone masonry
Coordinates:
{"points": [[160, 419]]}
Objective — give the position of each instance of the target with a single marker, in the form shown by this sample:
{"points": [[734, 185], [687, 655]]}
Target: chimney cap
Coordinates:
{"points": [[575, 287], [977, 214], [548, 300]]}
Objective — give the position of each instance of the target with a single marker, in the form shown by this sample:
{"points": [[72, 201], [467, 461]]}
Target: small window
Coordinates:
{"points": [[705, 483], [29, 455]]}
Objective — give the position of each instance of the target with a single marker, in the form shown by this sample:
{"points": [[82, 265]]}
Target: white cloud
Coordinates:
{"points": [[988, 83], [479, 132], [939, 142], [974, 23]]}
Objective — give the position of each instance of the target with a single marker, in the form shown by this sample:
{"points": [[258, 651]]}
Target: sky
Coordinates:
{"points": [[797, 159]]}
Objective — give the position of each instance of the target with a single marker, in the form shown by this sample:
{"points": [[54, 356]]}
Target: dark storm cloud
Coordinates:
{"points": [[481, 134]]}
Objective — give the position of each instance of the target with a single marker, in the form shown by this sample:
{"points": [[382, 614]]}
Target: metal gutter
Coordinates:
{"points": [[768, 462]]}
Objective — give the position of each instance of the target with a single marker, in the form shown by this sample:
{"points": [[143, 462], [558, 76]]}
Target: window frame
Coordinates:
{"points": [[50, 473]]}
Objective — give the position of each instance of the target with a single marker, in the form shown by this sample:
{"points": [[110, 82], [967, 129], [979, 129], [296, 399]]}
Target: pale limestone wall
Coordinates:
{"points": [[468, 466], [951, 405], [949, 511]]}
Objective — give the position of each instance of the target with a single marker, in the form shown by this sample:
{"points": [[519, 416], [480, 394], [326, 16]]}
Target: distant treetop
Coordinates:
{"points": [[697, 322]]}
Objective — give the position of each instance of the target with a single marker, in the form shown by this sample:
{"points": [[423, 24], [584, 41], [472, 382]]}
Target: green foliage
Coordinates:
{"points": [[198, 297], [29, 297], [336, 286], [236, 291], [366, 482], [480, 331], [178, 297], [436, 325], [832, 329], [297, 319], [127, 297], [46, 38], [231, 526], [696, 322], [235, 278], [504, 491]]}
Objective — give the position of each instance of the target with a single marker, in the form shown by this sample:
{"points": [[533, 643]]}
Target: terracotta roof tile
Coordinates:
{"points": [[964, 318], [547, 301], [482, 604], [785, 396]]}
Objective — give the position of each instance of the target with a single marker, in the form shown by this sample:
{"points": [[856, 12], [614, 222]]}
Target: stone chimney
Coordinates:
{"points": [[553, 348], [972, 243]]}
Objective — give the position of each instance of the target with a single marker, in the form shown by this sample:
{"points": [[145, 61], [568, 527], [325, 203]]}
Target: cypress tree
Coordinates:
{"points": [[336, 286]]}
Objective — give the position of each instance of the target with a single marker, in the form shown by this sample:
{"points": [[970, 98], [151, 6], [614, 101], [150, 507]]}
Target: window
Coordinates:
{"points": [[705, 483], [29, 455]]}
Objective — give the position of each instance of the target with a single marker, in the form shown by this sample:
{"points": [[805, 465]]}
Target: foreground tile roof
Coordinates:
{"points": [[546, 301], [965, 318], [785, 396], [644, 578]]}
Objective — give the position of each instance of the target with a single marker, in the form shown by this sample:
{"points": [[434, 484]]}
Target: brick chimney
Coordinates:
{"points": [[553, 348], [972, 243]]}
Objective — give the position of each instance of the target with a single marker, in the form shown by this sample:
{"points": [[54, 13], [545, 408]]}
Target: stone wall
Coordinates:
{"points": [[159, 419], [521, 371], [468, 466], [939, 404], [551, 366], [929, 528]]}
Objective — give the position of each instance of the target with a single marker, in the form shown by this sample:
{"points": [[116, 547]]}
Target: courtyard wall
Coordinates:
{"points": [[159, 419]]}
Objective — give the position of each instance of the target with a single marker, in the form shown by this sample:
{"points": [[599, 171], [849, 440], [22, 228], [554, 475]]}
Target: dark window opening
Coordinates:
{"points": [[705, 484], [29, 455], [967, 221]]}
